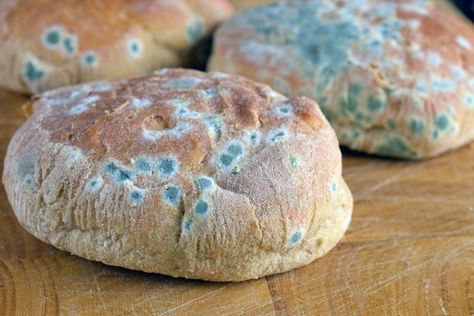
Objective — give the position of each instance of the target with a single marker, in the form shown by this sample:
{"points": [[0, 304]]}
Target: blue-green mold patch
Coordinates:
{"points": [[136, 196], [195, 30], [395, 147], [95, 184], [51, 36], [33, 72], [201, 208], [172, 195], [205, 184], [284, 110], [375, 104], [143, 165], [277, 135], [140, 102], [167, 167], [186, 225], [295, 237], [416, 126], [442, 121], [135, 47], [89, 58], [70, 44]]}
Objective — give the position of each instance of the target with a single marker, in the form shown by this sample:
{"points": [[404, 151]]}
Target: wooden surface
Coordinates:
{"points": [[409, 250]]}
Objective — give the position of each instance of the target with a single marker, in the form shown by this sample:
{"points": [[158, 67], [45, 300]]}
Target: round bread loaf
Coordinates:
{"points": [[394, 78], [183, 173], [46, 44]]}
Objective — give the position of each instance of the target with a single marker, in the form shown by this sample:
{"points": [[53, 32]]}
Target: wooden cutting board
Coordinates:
{"points": [[409, 250]]}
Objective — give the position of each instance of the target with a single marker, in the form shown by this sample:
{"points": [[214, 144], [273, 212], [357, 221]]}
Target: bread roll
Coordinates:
{"points": [[46, 44], [394, 78], [194, 175]]}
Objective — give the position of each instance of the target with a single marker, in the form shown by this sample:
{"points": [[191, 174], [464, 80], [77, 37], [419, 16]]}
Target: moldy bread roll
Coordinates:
{"points": [[184, 173], [394, 78], [46, 44]]}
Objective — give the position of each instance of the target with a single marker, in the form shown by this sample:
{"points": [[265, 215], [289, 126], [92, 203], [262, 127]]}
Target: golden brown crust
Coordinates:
{"points": [[184, 173], [47, 43]]}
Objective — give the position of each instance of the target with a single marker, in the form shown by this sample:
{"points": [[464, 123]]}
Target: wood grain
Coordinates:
{"points": [[409, 251]]}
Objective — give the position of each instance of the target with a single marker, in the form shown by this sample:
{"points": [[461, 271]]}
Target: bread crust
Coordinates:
{"points": [[246, 4], [47, 43], [183, 173], [394, 78]]}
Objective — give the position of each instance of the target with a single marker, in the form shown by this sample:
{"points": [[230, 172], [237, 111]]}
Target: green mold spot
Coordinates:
{"points": [[184, 83], [330, 115], [294, 161], [225, 160], [110, 167], [124, 175], [134, 48], [172, 195], [214, 122], [187, 224], [391, 124], [28, 181], [416, 126], [89, 58], [323, 102], [295, 237], [195, 31], [277, 135], [32, 72], [25, 168], [69, 45], [442, 121], [395, 147], [204, 183], [167, 167], [350, 105], [137, 196], [356, 135], [53, 37], [143, 165], [389, 89], [355, 88], [333, 186], [374, 104], [202, 207], [345, 138], [235, 150]]}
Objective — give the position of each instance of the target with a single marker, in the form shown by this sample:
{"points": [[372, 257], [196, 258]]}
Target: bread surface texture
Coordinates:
{"points": [[48, 43], [183, 173], [394, 78], [246, 4]]}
